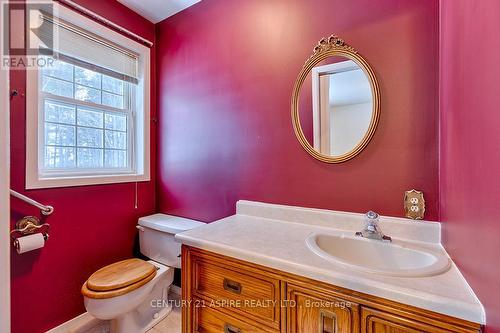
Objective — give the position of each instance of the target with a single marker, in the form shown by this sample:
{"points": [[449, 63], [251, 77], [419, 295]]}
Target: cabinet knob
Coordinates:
{"points": [[232, 286], [231, 329]]}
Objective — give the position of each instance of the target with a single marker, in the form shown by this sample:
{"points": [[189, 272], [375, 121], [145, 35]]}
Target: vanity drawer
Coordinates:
{"points": [[235, 289], [207, 320], [376, 321]]}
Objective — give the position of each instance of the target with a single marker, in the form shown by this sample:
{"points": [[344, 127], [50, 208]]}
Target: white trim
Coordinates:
{"points": [[176, 290], [141, 123], [83, 181], [316, 73], [83, 323], [4, 197]]}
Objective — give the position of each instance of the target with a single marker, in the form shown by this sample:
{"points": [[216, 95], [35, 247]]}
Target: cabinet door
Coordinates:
{"points": [[208, 320], [374, 321], [311, 312]]}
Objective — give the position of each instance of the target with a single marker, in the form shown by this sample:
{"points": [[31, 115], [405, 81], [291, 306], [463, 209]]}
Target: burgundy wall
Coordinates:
{"points": [[226, 70], [470, 141], [91, 227]]}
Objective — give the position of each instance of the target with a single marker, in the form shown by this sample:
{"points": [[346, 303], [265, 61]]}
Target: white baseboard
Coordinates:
{"points": [[84, 323], [176, 290]]}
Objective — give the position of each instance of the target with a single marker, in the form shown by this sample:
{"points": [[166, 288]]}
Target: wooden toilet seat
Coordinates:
{"points": [[119, 278]]}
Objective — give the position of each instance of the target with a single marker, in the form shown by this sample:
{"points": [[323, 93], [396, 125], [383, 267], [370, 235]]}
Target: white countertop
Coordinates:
{"points": [[279, 242]]}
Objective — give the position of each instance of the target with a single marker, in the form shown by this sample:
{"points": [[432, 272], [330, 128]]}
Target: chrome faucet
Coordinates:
{"points": [[372, 229]]}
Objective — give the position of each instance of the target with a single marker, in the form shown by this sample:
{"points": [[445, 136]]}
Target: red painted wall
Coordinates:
{"points": [[470, 141], [226, 70], [92, 226]]}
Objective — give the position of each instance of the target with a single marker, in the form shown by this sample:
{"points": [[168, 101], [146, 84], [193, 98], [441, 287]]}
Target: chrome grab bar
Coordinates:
{"points": [[46, 210]]}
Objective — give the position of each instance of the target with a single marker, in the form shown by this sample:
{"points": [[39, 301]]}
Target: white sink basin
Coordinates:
{"points": [[372, 256]]}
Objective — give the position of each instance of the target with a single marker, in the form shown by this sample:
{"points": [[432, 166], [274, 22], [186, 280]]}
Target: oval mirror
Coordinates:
{"points": [[335, 102]]}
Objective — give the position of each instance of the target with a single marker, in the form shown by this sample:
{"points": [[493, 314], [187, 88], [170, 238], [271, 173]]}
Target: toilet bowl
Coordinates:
{"points": [[133, 293], [135, 309]]}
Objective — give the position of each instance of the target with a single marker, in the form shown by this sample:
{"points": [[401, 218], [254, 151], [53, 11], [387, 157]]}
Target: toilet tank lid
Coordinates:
{"points": [[168, 223]]}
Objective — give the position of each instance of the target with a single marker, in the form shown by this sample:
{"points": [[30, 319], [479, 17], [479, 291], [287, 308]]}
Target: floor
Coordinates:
{"points": [[171, 323]]}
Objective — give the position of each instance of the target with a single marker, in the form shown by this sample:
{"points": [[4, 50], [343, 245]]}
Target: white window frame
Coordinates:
{"points": [[140, 125]]}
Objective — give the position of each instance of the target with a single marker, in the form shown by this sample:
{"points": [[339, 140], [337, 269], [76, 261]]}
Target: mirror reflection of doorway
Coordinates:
{"points": [[342, 107]]}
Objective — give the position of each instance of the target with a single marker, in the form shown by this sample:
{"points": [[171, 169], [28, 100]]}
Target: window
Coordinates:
{"points": [[86, 119], [89, 122]]}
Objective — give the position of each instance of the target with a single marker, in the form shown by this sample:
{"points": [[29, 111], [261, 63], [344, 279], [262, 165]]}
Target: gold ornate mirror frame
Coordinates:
{"points": [[329, 47]]}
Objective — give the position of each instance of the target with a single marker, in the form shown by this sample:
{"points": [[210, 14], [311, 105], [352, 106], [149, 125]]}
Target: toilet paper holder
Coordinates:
{"points": [[29, 225]]}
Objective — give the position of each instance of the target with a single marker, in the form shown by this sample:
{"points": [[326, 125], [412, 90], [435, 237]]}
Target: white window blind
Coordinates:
{"points": [[88, 50]]}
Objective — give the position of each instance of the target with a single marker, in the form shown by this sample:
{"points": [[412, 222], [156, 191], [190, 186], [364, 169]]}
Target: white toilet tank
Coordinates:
{"points": [[156, 237]]}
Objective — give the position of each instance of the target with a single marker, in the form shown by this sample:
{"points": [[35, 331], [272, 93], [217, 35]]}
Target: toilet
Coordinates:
{"points": [[133, 293]]}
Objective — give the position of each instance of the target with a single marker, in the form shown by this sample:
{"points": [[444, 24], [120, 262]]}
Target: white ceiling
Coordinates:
{"points": [[157, 10]]}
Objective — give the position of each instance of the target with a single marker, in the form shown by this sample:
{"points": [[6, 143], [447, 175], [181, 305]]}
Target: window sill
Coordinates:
{"points": [[40, 183]]}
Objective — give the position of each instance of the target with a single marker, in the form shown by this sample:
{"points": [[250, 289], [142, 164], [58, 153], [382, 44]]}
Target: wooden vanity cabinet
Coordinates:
{"points": [[228, 295]]}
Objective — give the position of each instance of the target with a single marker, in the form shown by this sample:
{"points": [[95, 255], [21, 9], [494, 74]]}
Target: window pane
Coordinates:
{"points": [[112, 85], [90, 118], [87, 94], [57, 87], [59, 113], [90, 158], [87, 77], [59, 135], [115, 122], [89, 137], [59, 69], [115, 159], [112, 100], [77, 136], [117, 140], [59, 157]]}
